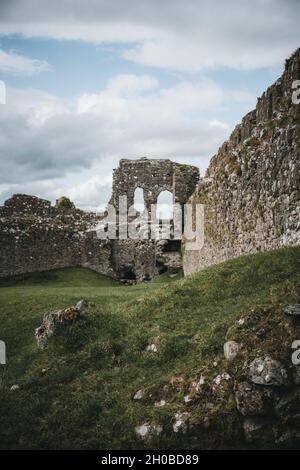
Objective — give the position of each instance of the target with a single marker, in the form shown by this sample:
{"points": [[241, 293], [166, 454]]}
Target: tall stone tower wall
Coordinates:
{"points": [[251, 190]]}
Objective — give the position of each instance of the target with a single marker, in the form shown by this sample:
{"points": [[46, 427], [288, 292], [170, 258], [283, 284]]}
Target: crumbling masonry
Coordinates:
{"points": [[153, 176], [250, 191], [36, 236]]}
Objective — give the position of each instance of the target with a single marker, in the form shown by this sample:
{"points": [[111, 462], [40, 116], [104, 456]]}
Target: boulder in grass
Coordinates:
{"points": [[147, 431], [293, 310], [268, 371], [54, 319], [231, 349]]}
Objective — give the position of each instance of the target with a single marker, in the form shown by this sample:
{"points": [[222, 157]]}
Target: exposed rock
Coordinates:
{"points": [[181, 422], [53, 320], [249, 400], [160, 403], [187, 399], [146, 431], [293, 310], [231, 349], [224, 376], [139, 395], [267, 371], [81, 304], [153, 345], [196, 385], [152, 348], [14, 387]]}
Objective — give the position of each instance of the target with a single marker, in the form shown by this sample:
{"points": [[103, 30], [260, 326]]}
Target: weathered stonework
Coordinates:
{"points": [[36, 236], [153, 176], [251, 190], [142, 260]]}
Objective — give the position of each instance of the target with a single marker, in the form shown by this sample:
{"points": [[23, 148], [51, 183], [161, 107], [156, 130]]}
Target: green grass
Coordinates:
{"points": [[67, 277], [93, 368]]}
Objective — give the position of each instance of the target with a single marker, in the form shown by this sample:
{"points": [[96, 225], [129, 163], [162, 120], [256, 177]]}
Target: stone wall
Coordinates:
{"points": [[153, 176], [35, 236], [141, 260], [251, 190], [134, 261]]}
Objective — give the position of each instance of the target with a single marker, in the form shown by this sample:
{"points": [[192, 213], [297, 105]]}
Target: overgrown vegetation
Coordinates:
{"points": [[78, 392], [65, 202]]}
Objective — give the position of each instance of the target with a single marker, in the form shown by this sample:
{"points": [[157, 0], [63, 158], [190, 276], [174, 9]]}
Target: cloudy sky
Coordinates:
{"points": [[91, 81]]}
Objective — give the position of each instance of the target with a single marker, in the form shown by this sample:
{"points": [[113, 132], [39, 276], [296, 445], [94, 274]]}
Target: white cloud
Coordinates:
{"points": [[160, 103], [92, 193], [11, 62], [48, 142], [173, 34], [131, 85]]}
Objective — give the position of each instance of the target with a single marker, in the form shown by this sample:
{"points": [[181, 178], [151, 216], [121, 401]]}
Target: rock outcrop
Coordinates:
{"points": [[54, 320]]}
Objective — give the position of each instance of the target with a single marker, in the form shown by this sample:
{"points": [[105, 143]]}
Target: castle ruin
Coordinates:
{"points": [[36, 236], [251, 195]]}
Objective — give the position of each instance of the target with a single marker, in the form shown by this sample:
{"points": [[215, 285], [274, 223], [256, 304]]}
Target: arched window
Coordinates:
{"points": [[139, 203], [164, 208]]}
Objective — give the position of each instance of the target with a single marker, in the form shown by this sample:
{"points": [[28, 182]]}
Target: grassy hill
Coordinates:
{"points": [[78, 392]]}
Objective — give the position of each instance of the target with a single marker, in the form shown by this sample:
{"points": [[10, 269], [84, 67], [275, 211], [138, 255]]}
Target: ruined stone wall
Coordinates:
{"points": [[251, 189], [134, 260], [35, 236], [153, 176]]}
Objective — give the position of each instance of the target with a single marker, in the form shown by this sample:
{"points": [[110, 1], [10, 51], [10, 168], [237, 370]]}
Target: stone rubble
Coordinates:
{"points": [[293, 310], [267, 371], [231, 349], [55, 319], [181, 422], [147, 431]]}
